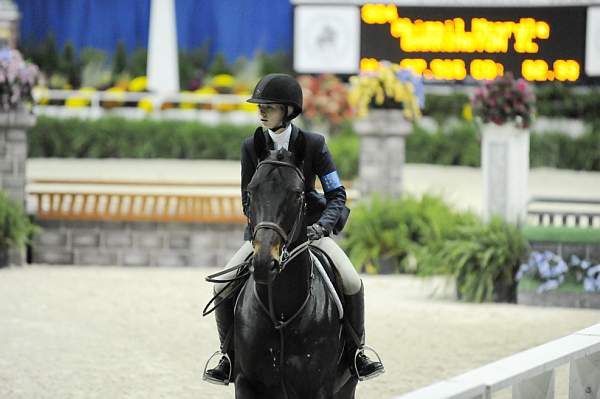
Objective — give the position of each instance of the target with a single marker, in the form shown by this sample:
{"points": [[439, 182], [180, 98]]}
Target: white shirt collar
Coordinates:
{"points": [[281, 139]]}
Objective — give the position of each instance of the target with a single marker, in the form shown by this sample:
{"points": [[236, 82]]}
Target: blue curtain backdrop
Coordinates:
{"points": [[233, 27]]}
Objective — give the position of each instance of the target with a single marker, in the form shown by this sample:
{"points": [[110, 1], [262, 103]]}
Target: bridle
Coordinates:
{"points": [[286, 237]]}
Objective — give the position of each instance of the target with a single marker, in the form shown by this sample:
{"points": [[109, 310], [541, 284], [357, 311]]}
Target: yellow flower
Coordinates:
{"points": [[223, 80], [467, 112], [376, 87], [138, 84], [146, 104], [81, 99], [187, 105]]}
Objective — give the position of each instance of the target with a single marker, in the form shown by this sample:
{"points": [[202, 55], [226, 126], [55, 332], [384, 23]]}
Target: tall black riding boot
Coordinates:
{"points": [[224, 316], [363, 367]]}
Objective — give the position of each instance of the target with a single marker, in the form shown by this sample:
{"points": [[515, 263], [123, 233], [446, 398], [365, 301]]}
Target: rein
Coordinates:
{"points": [[280, 325]]}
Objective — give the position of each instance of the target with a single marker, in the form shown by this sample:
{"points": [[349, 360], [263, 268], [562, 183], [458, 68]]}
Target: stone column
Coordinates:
{"points": [[382, 151], [13, 157], [505, 168]]}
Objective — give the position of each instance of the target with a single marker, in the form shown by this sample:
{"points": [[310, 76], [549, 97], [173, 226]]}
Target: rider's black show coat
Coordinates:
{"points": [[317, 162]]}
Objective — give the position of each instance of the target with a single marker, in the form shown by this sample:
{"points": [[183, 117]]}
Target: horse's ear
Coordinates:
{"points": [[299, 149], [260, 144]]}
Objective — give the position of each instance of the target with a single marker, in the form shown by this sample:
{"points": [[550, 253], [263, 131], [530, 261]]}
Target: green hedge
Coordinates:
{"points": [[123, 138], [455, 143], [562, 234]]}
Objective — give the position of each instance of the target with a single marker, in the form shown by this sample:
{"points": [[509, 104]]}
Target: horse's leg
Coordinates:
{"points": [[243, 389], [347, 391]]}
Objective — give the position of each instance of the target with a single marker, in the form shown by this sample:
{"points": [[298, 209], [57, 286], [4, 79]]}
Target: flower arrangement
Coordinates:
{"points": [[389, 86], [505, 99], [17, 78], [325, 100], [552, 271]]}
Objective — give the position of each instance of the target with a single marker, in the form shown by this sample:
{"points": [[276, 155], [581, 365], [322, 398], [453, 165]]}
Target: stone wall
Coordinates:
{"points": [[13, 157], [13, 153], [135, 243]]}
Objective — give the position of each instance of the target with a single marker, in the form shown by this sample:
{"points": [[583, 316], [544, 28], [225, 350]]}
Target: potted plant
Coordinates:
{"points": [[388, 87], [387, 101], [17, 80], [485, 259], [15, 228], [506, 108]]}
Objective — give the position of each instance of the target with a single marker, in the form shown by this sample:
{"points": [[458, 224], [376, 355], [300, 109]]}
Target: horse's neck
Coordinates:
{"points": [[290, 288]]}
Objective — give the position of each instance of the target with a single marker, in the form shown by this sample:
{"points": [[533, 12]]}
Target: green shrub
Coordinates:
{"points": [[452, 144], [123, 138], [401, 232], [345, 149], [484, 259], [444, 106], [15, 227], [562, 234], [455, 143], [557, 150]]}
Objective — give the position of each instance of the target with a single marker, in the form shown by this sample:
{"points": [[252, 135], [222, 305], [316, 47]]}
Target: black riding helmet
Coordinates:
{"points": [[279, 88]]}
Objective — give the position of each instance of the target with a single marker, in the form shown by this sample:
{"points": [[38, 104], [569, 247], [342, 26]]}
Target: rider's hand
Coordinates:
{"points": [[315, 232]]}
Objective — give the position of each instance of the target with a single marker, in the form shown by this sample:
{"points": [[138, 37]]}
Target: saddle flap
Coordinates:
{"points": [[325, 268]]}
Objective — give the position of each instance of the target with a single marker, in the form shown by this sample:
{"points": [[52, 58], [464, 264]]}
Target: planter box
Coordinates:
{"points": [[559, 299]]}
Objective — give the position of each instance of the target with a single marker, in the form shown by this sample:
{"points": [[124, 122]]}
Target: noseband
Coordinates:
{"points": [[285, 237]]}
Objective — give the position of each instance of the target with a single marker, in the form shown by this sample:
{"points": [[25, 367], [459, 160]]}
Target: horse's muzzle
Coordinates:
{"points": [[266, 272]]}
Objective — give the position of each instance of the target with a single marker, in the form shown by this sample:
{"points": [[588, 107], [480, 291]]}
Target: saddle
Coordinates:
{"points": [[330, 277]]}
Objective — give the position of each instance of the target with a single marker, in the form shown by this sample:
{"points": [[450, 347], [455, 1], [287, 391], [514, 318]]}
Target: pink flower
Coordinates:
{"points": [[521, 85]]}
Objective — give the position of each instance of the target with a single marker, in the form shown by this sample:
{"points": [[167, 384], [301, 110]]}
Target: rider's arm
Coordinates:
{"points": [[248, 168], [335, 193]]}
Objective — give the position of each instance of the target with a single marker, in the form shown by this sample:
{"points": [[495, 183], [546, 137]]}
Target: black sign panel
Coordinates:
{"points": [[443, 43]]}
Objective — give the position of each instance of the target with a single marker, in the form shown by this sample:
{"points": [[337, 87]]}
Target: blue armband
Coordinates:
{"points": [[330, 181]]}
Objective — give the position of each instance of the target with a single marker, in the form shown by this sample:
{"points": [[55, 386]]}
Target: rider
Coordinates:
{"points": [[279, 98]]}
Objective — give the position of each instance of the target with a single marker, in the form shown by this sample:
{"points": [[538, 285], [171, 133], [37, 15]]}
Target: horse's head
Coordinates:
{"points": [[276, 194]]}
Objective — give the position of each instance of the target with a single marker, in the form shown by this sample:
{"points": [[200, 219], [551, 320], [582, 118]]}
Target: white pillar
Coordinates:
{"points": [[163, 64], [505, 168]]}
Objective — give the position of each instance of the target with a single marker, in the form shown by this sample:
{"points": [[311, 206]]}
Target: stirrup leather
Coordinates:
{"points": [[360, 349], [212, 380]]}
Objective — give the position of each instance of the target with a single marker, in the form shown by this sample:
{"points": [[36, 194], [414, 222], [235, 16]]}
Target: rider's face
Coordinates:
{"points": [[270, 115]]}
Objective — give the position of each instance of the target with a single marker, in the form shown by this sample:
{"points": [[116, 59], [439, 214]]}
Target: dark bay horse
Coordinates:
{"points": [[288, 339]]}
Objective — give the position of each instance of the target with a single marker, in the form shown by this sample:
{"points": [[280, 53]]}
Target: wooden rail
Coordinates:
{"points": [[529, 373], [171, 183], [551, 215], [138, 207]]}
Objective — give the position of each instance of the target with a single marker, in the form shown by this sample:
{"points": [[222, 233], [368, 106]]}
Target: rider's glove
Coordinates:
{"points": [[315, 232]]}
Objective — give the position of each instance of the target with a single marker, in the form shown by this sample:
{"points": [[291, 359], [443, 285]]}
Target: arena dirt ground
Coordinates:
{"points": [[92, 332]]}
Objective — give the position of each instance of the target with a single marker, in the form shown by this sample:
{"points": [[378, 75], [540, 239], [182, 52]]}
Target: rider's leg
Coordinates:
{"points": [[224, 318], [354, 306]]}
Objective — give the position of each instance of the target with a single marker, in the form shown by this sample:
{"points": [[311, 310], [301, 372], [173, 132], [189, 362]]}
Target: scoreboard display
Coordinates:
{"points": [[539, 44], [463, 43]]}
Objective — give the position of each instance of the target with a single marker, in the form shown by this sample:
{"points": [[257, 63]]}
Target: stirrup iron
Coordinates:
{"points": [[358, 350], [213, 381]]}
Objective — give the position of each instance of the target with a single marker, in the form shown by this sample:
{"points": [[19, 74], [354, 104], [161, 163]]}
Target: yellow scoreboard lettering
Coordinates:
{"points": [[448, 46]]}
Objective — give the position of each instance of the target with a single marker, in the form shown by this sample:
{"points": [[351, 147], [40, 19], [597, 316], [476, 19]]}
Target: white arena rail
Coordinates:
{"points": [[529, 373]]}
